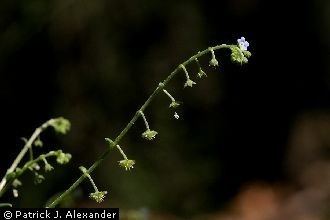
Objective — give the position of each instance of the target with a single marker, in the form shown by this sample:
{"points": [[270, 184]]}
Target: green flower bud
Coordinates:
{"points": [[38, 143], [63, 158], [238, 56], [48, 167], [16, 183], [61, 125], [34, 166]]}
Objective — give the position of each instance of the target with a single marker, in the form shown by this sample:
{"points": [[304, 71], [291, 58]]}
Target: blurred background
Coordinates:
{"points": [[252, 141]]}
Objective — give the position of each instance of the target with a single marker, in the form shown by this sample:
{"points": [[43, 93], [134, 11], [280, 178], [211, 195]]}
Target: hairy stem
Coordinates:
{"points": [[27, 146], [169, 95], [145, 120], [121, 152], [160, 87], [92, 182]]}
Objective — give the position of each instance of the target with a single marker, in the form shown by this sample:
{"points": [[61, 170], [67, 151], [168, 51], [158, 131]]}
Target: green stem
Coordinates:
{"points": [[212, 52], [121, 152], [185, 71], [160, 87], [169, 95], [145, 120], [198, 65], [31, 153], [92, 182], [84, 170]]}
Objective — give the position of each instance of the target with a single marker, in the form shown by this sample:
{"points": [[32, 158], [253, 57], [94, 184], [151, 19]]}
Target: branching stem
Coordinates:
{"points": [[25, 167], [159, 88]]}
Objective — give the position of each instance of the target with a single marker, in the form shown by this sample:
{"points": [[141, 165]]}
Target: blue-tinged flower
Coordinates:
{"points": [[243, 44]]}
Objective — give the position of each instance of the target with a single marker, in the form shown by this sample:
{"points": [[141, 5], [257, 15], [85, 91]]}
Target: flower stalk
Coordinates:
{"points": [[189, 82], [174, 104], [213, 62], [159, 88], [97, 195], [200, 73]]}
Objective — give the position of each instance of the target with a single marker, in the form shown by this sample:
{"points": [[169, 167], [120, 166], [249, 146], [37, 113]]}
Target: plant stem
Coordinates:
{"points": [[185, 71], [21, 154], [212, 52], [92, 182], [121, 152], [31, 153], [160, 87], [169, 95], [145, 120]]}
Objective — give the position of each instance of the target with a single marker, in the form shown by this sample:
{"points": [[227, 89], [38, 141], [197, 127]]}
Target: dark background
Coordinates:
{"points": [[96, 62]]}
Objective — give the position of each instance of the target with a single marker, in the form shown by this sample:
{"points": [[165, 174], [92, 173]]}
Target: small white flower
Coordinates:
{"points": [[243, 44], [176, 116]]}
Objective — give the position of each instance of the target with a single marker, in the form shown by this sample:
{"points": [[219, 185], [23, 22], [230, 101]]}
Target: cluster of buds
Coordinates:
{"points": [[60, 125], [239, 52]]}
